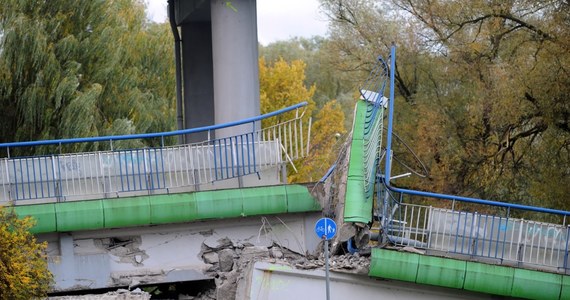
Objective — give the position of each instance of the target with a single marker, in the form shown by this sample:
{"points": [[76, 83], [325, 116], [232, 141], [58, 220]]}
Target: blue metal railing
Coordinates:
{"points": [[388, 164], [211, 128], [495, 235], [108, 173]]}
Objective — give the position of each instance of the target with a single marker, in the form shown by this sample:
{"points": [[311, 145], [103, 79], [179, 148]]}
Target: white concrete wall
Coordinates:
{"points": [[268, 281], [167, 253]]}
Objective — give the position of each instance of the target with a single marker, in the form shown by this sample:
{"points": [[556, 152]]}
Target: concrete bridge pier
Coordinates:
{"points": [[235, 61], [220, 63]]}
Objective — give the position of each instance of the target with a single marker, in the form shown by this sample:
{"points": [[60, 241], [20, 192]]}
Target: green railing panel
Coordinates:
{"points": [[257, 201], [80, 215], [394, 265], [565, 292], [472, 276], [300, 200], [173, 208], [536, 285], [43, 214], [441, 271], [126, 212], [490, 279], [219, 204]]}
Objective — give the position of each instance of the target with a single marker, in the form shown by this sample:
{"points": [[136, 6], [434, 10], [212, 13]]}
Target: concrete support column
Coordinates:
{"points": [[198, 77], [235, 62], [66, 269]]}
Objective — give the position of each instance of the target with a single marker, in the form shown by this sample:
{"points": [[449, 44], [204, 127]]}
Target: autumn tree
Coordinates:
{"points": [[282, 84], [23, 263], [319, 71], [482, 89], [76, 69], [328, 137]]}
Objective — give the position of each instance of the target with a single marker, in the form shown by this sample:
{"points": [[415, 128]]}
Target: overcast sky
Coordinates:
{"points": [[276, 20]]}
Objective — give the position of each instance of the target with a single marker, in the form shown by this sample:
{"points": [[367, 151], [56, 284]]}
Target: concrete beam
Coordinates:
{"points": [[123, 257]]}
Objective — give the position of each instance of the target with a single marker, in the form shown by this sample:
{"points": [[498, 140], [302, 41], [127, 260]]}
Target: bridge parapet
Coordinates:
{"points": [[252, 158]]}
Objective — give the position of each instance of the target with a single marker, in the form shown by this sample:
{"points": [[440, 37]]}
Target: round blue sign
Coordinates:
{"points": [[326, 228]]}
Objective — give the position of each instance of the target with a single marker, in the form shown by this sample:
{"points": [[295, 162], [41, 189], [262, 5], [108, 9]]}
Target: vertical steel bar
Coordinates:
{"points": [[35, 179], [498, 236], [121, 170], [427, 229], [47, 176], [437, 226], [457, 232], [471, 239], [226, 157], [158, 177], [565, 264], [491, 237], [42, 179], [532, 240], [215, 160], [28, 179], [139, 174], [242, 150], [403, 227], [464, 232]]}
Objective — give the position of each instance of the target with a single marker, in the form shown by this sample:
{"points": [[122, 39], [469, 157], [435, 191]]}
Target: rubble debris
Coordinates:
{"points": [[211, 258], [125, 249], [226, 259], [228, 262]]}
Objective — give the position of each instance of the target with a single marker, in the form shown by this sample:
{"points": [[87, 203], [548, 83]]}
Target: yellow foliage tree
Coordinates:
{"points": [[281, 85], [328, 130], [23, 265]]}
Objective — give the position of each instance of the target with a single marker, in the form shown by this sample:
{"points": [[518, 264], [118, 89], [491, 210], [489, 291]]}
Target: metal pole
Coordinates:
{"points": [[178, 65], [388, 166], [327, 266]]}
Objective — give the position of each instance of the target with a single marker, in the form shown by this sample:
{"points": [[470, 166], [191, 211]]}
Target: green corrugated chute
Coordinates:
{"points": [[471, 276], [357, 206], [168, 208]]}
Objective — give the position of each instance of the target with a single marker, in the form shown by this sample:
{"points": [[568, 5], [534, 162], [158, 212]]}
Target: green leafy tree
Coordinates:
{"points": [[85, 68], [23, 263]]}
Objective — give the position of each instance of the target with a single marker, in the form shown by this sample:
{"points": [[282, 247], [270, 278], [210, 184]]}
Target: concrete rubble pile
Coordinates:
{"points": [[228, 261]]}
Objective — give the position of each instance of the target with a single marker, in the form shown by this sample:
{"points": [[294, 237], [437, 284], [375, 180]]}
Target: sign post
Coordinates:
{"points": [[325, 229]]}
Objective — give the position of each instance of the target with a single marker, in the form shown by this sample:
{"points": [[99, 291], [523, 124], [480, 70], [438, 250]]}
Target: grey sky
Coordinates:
{"points": [[276, 19]]}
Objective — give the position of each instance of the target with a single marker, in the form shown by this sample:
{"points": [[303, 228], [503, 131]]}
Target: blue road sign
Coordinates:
{"points": [[325, 227]]}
